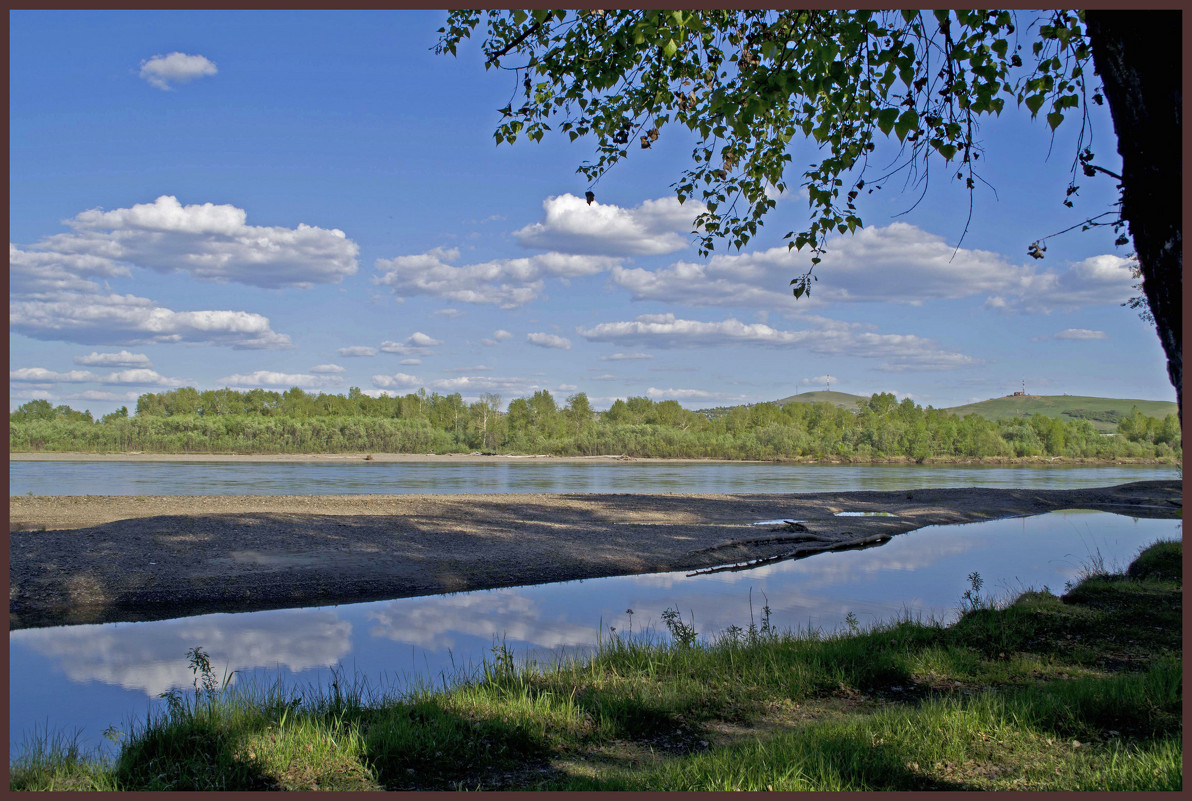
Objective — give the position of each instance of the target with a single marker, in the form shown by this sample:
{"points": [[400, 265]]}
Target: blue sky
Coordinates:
{"points": [[274, 199]]}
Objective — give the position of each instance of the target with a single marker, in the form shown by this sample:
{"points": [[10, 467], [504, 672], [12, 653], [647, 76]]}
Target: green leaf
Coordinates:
{"points": [[670, 48], [886, 118], [1034, 103], [1054, 119], [905, 124]]}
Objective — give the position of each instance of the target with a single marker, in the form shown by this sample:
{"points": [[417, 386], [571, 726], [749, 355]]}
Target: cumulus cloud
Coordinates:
{"points": [[499, 336], [211, 242], [101, 395], [471, 387], [902, 351], [410, 362], [142, 377], [571, 225], [122, 359], [616, 357], [272, 378], [397, 380], [898, 263], [1080, 333], [163, 71], [42, 274], [417, 343], [133, 377], [357, 350], [692, 394], [1096, 281], [544, 340], [507, 283], [40, 375], [327, 369], [130, 320]]}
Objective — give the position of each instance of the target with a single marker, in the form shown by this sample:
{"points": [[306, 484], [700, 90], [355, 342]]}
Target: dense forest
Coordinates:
{"points": [[261, 421]]}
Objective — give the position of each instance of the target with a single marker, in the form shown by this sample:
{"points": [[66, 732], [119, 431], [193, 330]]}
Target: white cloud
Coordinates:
{"points": [[479, 368], [1104, 280], [898, 263], [101, 395], [473, 386], [571, 225], [143, 377], [134, 377], [544, 340], [410, 362], [416, 343], [1080, 333], [397, 380], [500, 335], [327, 369], [44, 274], [903, 351], [700, 396], [122, 359], [40, 375], [616, 357], [272, 378], [567, 387], [211, 242], [507, 283], [162, 71], [130, 320], [357, 350], [819, 380]]}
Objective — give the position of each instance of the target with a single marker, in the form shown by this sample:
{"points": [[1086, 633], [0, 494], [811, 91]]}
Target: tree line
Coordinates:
{"points": [[185, 420]]}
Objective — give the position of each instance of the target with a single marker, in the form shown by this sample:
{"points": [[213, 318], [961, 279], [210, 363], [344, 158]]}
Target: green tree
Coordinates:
{"points": [[749, 82]]}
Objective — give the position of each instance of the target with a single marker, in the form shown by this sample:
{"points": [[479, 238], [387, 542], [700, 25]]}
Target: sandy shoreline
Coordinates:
{"points": [[91, 559]]}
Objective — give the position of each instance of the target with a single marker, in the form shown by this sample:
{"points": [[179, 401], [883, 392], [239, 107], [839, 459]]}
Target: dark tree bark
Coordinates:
{"points": [[1138, 55]]}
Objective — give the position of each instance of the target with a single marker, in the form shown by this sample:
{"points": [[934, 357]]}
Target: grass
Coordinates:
{"points": [[1056, 405], [1076, 692]]}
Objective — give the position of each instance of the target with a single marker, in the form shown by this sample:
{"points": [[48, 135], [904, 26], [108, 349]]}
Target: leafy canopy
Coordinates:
{"points": [[749, 81]]}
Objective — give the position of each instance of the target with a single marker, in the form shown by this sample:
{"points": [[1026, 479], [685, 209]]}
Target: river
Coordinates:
{"points": [[360, 477], [83, 679]]}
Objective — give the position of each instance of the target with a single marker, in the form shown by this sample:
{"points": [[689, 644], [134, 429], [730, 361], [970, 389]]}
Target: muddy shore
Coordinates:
{"points": [[91, 559]]}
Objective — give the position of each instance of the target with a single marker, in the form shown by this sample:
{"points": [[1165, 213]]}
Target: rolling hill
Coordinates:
{"points": [[841, 399], [1103, 413]]}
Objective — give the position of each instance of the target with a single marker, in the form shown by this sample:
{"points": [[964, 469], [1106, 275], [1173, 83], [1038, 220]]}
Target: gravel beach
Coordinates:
{"points": [[90, 559]]}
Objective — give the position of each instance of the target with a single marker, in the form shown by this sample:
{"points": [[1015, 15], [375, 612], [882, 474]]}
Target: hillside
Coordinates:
{"points": [[1103, 413], [841, 399]]}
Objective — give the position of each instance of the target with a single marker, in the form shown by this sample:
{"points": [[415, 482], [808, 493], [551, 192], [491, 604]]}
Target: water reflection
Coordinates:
{"points": [[94, 676]]}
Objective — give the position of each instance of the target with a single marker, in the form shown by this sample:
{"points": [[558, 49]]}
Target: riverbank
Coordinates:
{"points": [[91, 559], [492, 458], [1082, 692]]}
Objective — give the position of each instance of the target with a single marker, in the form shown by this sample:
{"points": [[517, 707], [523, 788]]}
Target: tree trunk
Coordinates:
{"points": [[1138, 56]]}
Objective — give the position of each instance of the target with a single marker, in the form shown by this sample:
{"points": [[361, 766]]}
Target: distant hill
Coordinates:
{"points": [[841, 399], [1103, 413]]}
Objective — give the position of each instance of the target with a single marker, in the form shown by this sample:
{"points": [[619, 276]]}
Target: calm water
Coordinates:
{"points": [[85, 678], [273, 478]]}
